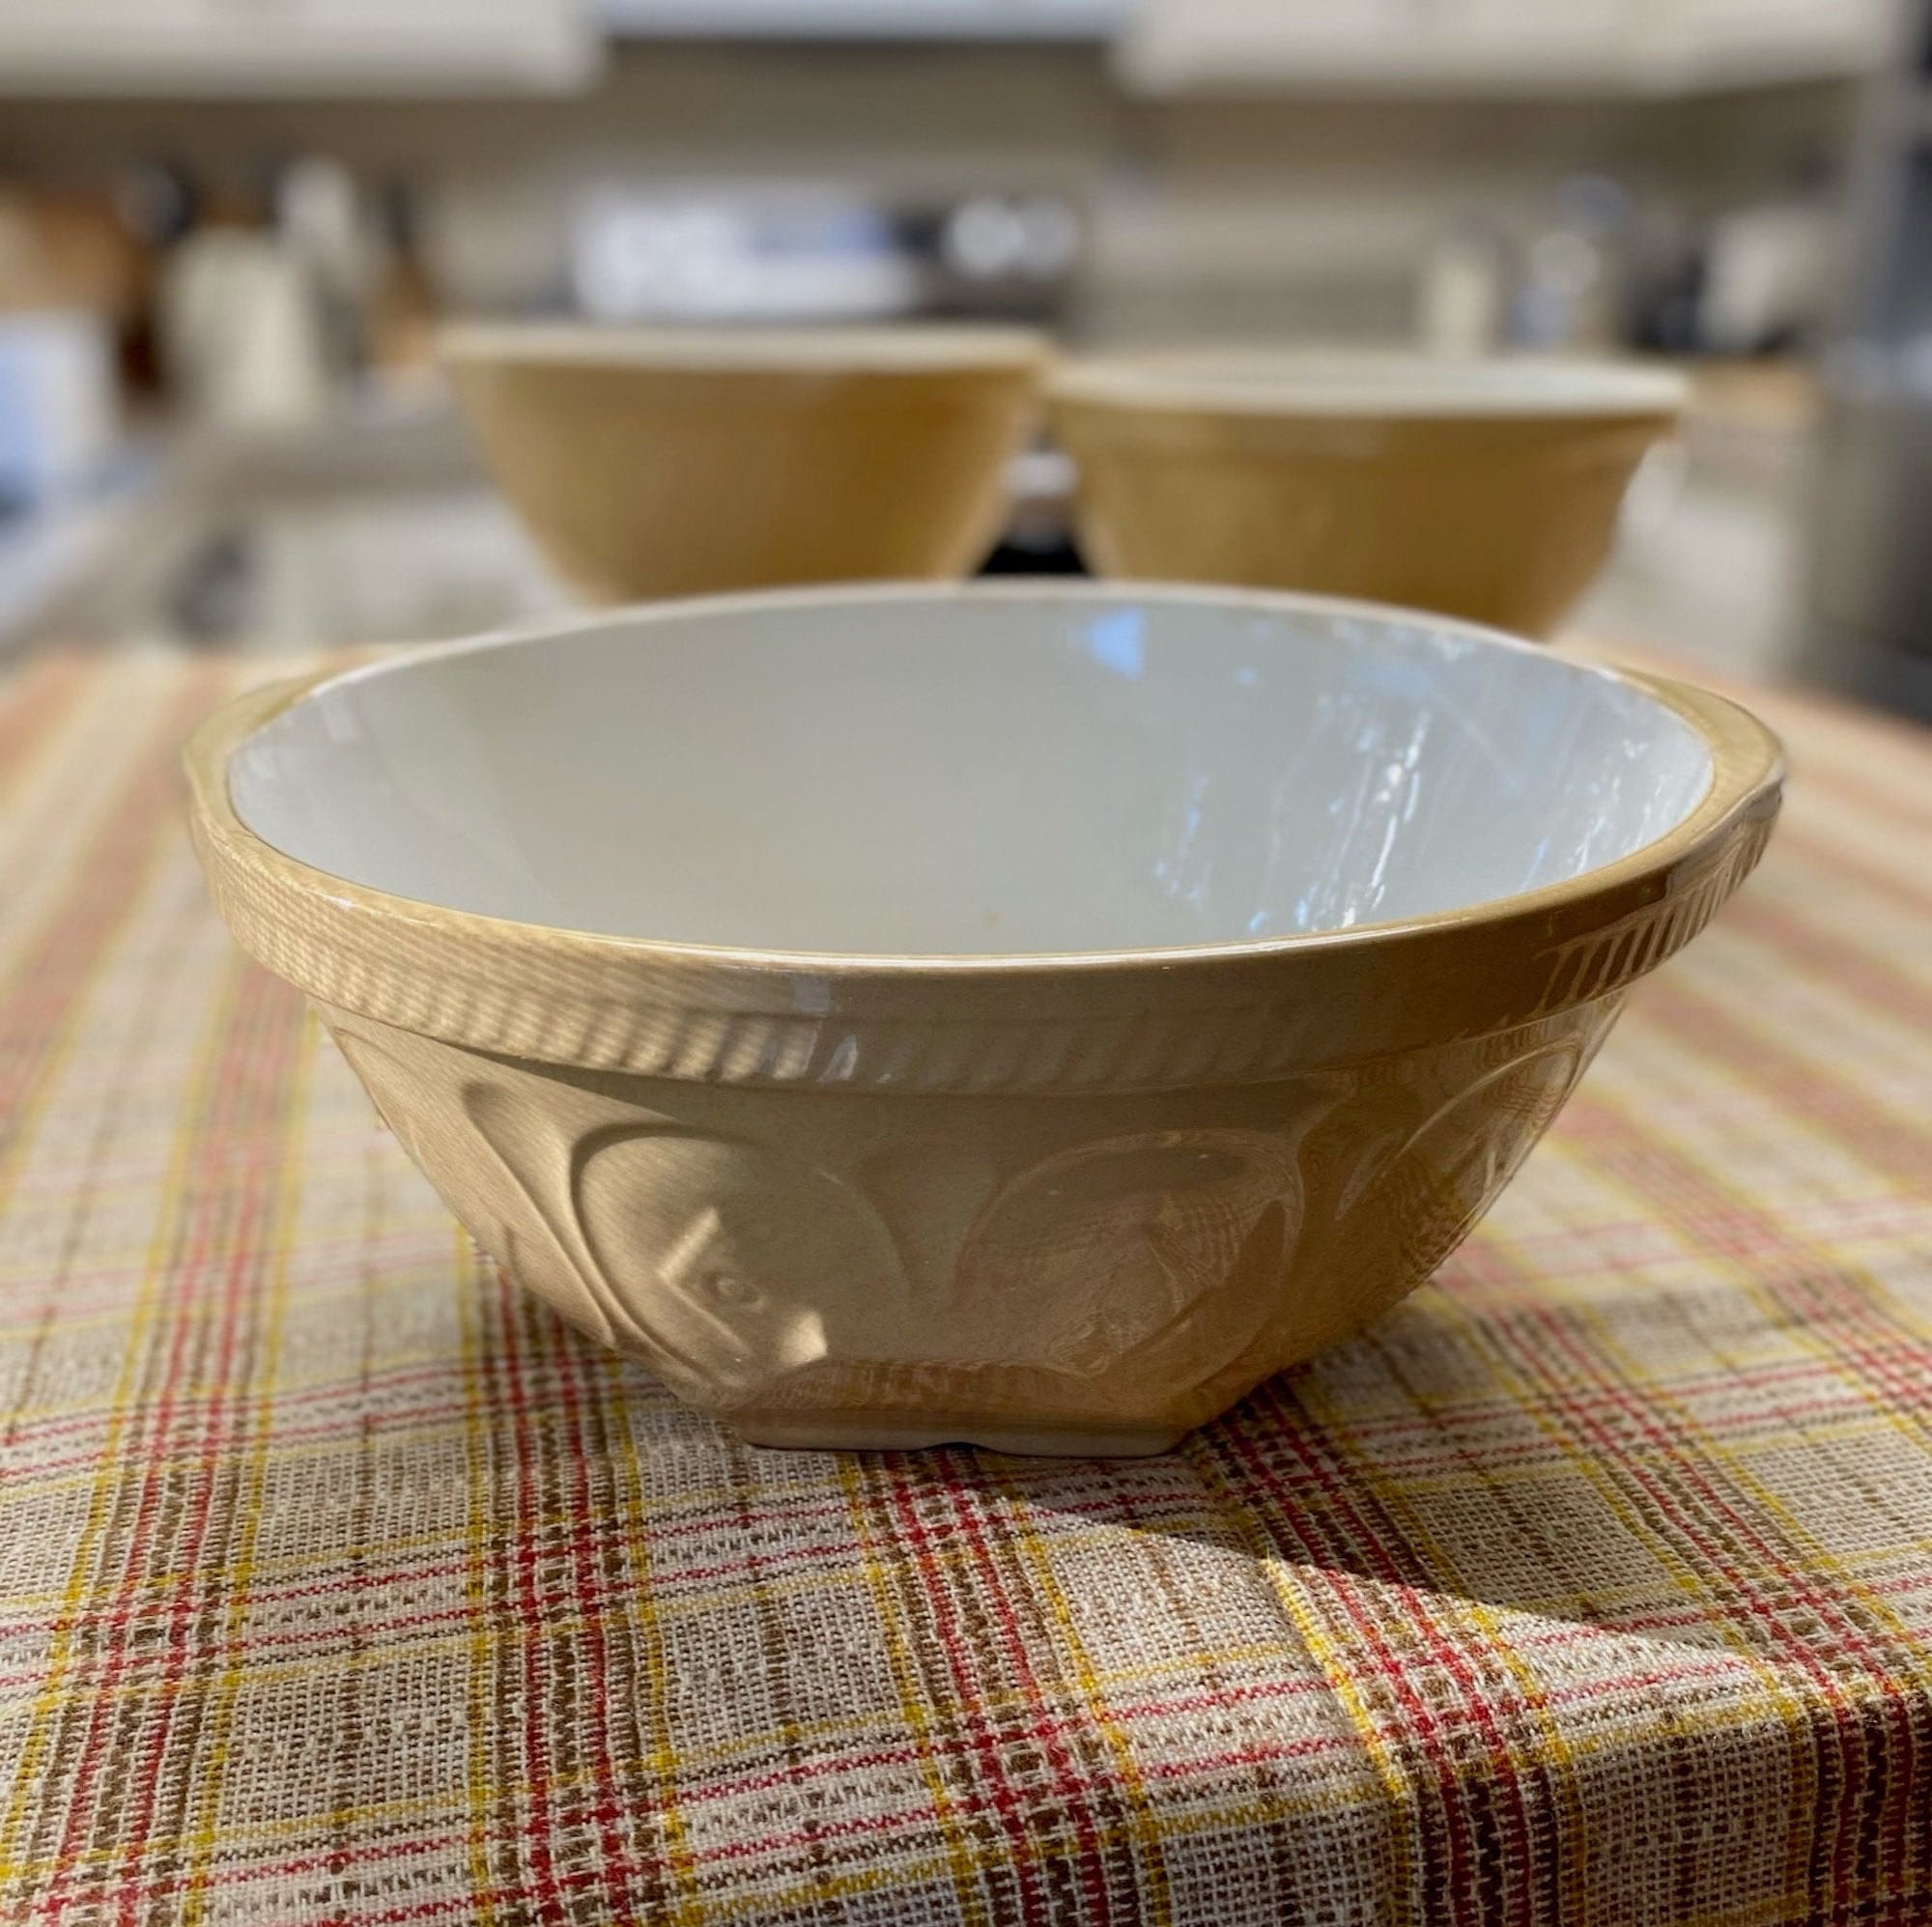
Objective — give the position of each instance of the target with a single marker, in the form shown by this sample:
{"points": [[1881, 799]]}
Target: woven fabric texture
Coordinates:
{"points": [[339, 1583]]}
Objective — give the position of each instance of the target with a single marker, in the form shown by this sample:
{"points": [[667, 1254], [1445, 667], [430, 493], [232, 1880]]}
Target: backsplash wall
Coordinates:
{"points": [[1202, 216]]}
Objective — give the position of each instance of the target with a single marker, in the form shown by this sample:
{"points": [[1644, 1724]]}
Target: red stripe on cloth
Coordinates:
{"points": [[50, 983], [1888, 990], [1887, 1140], [1809, 1289], [1360, 1542], [1837, 858], [527, 1598], [586, 1542], [33, 706], [230, 1187], [915, 1541]]}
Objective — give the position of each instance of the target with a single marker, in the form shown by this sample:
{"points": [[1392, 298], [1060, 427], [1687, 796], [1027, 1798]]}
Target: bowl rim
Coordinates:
{"points": [[739, 1013], [910, 348], [1374, 383]]}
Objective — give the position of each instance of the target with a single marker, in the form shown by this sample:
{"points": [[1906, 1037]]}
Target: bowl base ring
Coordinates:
{"points": [[848, 1432]]}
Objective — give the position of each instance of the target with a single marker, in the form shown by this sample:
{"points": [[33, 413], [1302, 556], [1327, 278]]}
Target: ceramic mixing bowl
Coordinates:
{"points": [[1018, 1014], [1486, 489], [672, 462]]}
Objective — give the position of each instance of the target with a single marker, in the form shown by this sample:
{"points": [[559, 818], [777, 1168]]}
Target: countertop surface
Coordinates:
{"points": [[376, 525]]}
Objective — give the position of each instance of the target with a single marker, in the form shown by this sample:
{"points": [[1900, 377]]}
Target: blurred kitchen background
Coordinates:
{"points": [[228, 229]]}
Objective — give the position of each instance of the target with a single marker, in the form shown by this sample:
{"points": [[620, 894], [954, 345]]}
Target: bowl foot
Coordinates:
{"points": [[830, 1433]]}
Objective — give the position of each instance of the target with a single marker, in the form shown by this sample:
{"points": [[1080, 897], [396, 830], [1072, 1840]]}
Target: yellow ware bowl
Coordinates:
{"points": [[1484, 488], [1023, 1014], [672, 462]]}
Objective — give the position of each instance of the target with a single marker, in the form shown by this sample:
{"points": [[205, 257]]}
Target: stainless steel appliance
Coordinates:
{"points": [[1869, 617]]}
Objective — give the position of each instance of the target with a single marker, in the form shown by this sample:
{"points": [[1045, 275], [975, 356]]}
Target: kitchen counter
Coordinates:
{"points": [[45, 552], [375, 524], [379, 526]]}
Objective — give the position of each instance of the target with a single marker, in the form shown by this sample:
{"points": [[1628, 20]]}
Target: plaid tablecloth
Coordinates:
{"points": [[340, 1583]]}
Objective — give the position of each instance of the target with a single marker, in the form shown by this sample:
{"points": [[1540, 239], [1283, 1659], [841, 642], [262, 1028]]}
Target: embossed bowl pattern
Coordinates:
{"points": [[1077, 1194]]}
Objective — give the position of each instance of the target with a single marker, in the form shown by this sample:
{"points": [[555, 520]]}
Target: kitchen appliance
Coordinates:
{"points": [[795, 252]]}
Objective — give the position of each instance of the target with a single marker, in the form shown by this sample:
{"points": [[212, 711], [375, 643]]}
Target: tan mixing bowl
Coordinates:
{"points": [[1485, 488], [669, 462], [1020, 1013]]}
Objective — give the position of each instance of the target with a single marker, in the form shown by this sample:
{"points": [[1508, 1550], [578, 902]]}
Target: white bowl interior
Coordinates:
{"points": [[913, 773], [1374, 383]]}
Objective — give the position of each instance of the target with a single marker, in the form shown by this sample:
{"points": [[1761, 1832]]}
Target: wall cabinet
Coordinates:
{"points": [[294, 46], [1473, 47]]}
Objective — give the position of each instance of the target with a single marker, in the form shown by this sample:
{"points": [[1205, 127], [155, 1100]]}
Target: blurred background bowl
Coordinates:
{"points": [[1485, 488], [652, 462]]}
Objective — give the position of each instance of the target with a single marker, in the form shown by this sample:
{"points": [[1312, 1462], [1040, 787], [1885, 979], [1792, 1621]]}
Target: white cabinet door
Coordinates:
{"points": [[1474, 46], [1582, 24], [1393, 46], [165, 46], [1741, 40]]}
